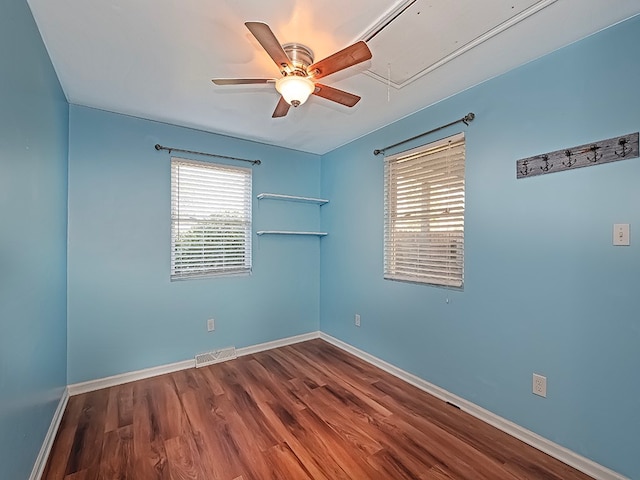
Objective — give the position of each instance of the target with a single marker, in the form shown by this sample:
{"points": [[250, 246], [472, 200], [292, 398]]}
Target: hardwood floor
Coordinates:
{"points": [[306, 411]]}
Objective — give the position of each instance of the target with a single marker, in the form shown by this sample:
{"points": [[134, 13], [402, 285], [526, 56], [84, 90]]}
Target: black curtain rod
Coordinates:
{"points": [[466, 119], [171, 149]]}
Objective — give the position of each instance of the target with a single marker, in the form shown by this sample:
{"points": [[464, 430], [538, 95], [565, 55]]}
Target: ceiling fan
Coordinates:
{"points": [[299, 72]]}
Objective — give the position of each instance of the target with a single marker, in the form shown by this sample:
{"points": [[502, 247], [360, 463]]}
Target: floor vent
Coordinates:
{"points": [[217, 356]]}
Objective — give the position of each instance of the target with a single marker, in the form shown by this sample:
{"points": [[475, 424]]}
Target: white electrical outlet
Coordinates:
{"points": [[539, 385], [357, 320], [211, 325]]}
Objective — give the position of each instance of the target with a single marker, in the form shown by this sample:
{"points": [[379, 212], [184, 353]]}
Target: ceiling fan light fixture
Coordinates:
{"points": [[295, 89]]}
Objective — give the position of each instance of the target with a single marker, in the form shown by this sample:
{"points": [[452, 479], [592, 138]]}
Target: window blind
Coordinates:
{"points": [[210, 219], [424, 214]]}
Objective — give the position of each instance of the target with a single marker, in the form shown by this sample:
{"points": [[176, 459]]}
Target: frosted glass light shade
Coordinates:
{"points": [[295, 89]]}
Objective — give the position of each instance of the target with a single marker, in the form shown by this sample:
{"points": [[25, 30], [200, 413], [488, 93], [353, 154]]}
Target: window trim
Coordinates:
{"points": [[393, 247]]}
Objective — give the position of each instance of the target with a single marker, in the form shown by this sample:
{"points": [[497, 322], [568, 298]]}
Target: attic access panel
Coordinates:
{"points": [[428, 33]]}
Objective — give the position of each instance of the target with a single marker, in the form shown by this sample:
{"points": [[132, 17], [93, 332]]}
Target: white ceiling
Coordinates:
{"points": [[155, 58]]}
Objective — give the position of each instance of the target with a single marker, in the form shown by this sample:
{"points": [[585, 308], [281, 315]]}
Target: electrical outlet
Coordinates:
{"points": [[211, 325], [539, 385], [357, 320]]}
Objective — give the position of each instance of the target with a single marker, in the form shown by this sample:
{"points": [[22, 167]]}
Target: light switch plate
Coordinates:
{"points": [[621, 234]]}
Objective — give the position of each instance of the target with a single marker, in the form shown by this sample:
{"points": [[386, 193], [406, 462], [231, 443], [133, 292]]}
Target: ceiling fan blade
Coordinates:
{"points": [[345, 58], [242, 81], [281, 109], [336, 95], [270, 43]]}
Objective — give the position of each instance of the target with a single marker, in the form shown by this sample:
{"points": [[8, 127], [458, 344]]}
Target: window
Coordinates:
{"points": [[210, 219], [424, 214]]}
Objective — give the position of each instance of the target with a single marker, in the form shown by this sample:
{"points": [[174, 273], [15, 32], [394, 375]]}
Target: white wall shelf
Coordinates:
{"points": [[291, 198], [289, 232]]}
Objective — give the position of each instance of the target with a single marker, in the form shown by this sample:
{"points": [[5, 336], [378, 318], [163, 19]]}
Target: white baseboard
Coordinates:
{"points": [[559, 452], [43, 455], [106, 382], [92, 385], [283, 342]]}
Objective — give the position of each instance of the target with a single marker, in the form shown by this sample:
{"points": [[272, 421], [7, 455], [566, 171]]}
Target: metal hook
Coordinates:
{"points": [[596, 157], [569, 163], [526, 170], [623, 143], [546, 166]]}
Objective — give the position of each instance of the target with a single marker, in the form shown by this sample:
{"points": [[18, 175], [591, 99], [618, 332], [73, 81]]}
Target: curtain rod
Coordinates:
{"points": [[466, 119], [171, 149]]}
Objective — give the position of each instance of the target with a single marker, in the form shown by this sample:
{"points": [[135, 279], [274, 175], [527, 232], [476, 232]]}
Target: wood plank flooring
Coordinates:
{"points": [[306, 411]]}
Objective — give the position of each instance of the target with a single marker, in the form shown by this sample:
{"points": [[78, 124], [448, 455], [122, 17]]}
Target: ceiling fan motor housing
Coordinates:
{"points": [[301, 57]]}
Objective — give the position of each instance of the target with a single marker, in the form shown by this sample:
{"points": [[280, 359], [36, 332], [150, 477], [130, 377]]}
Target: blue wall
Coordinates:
{"points": [[124, 313], [33, 202], [545, 290]]}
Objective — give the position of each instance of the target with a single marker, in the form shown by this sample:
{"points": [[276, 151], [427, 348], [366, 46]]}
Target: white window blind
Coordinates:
{"points": [[424, 214], [210, 219]]}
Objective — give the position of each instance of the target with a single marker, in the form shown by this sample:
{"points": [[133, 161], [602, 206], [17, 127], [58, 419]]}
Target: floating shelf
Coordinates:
{"points": [[288, 232], [291, 198]]}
